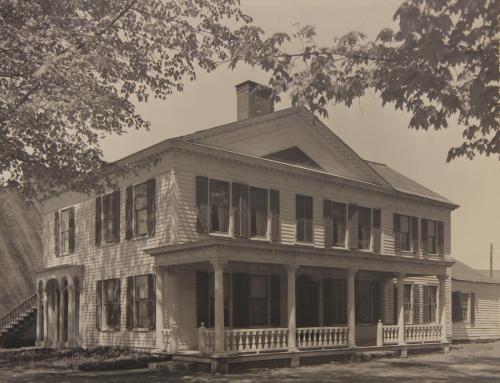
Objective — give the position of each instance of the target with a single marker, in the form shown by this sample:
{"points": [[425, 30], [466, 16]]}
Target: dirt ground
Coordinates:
{"points": [[474, 363]]}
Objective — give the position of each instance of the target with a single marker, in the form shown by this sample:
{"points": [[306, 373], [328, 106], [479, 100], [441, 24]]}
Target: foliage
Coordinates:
{"points": [[70, 72]]}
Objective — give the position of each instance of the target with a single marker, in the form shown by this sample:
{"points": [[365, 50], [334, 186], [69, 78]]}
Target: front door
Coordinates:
{"points": [[307, 293]]}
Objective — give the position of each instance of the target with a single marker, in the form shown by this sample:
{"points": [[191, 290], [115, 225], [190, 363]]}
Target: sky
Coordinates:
{"points": [[377, 133]]}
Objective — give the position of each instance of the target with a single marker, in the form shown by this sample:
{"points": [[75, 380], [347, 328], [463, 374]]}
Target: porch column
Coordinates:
{"points": [[441, 304], [45, 299], [160, 325], [401, 309], [71, 314], [172, 307], [292, 321], [351, 306], [39, 317], [218, 266], [60, 315]]}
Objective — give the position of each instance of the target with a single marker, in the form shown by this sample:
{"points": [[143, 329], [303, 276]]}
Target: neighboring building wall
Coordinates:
{"points": [[487, 311]]}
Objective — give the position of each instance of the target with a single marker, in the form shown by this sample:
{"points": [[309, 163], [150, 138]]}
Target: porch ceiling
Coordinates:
{"points": [[238, 250]]}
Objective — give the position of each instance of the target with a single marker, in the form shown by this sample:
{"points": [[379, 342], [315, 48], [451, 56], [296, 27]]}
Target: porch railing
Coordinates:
{"points": [[322, 337], [413, 333], [390, 334], [256, 340]]}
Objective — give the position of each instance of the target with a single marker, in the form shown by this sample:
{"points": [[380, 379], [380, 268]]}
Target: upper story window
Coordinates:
{"points": [[108, 304], [254, 211], [304, 218], [65, 231], [364, 228], [405, 233], [335, 216], [463, 307], [141, 302], [107, 216], [140, 209], [432, 237]]}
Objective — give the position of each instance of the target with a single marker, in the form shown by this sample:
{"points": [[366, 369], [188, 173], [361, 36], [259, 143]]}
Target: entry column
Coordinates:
{"points": [[441, 315], [401, 309], [160, 313], [292, 311], [351, 306], [71, 314], [218, 266]]}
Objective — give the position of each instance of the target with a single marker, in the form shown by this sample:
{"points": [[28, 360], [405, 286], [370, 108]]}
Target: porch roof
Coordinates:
{"points": [[241, 250]]}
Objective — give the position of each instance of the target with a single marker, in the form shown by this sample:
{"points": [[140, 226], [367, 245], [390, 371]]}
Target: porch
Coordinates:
{"points": [[312, 320]]}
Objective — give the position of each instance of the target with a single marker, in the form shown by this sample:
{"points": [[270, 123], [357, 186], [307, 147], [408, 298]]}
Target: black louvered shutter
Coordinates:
{"points": [[353, 226], [57, 243], [328, 308], [274, 210], [414, 234], [397, 232], [98, 305], [328, 222], [202, 290], [151, 195], [235, 195], [98, 221], [275, 300], [71, 214], [202, 204], [377, 231], [116, 216], [151, 302], [473, 309], [241, 300], [440, 237], [456, 307], [425, 246], [376, 302], [118, 306], [240, 207], [130, 303], [129, 212]]}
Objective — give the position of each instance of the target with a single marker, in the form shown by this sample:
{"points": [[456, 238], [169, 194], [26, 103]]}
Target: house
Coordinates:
{"points": [[475, 304], [267, 237]]}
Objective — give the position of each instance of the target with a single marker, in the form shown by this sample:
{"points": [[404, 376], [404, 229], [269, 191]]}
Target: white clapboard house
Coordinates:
{"points": [[267, 238]]}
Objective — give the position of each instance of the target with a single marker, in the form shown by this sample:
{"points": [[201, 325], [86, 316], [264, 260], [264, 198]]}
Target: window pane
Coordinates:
{"points": [[364, 227], [405, 224], [140, 207], [339, 224], [219, 206], [107, 210], [141, 287], [142, 313], [258, 209], [141, 223], [140, 200]]}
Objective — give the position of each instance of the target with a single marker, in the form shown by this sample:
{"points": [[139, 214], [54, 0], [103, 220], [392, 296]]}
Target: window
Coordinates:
{"points": [[141, 302], [108, 304], [274, 211], [304, 215], [219, 206], [107, 218], [432, 236], [258, 212], [140, 209], [65, 231], [463, 307], [367, 302], [334, 301], [364, 228], [430, 304], [258, 300], [405, 233], [334, 214]]}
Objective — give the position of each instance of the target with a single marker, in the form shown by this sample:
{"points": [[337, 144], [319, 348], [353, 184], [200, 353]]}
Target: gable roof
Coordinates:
{"points": [[496, 275], [406, 185], [461, 272], [294, 156]]}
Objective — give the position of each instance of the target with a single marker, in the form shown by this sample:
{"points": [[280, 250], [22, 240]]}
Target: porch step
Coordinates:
{"points": [[366, 356]]}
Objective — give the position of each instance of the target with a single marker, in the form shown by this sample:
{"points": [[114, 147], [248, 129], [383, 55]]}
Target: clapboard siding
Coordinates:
{"points": [[487, 311]]}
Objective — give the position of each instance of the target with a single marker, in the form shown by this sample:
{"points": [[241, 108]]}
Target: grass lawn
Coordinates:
{"points": [[474, 363]]}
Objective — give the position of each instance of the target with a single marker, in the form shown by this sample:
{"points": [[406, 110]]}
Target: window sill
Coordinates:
{"points": [[261, 239], [108, 330], [108, 244], [141, 237], [307, 244], [223, 235]]}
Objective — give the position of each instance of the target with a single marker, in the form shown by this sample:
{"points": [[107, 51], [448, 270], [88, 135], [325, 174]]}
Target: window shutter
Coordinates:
{"points": [[440, 237], [151, 195], [236, 208], [275, 300], [328, 307], [240, 194], [202, 289], [98, 221], [98, 305], [397, 232], [129, 212], [377, 231], [118, 307], [274, 204], [202, 205], [116, 216], [414, 234], [72, 230], [456, 307], [244, 206], [416, 303], [130, 303], [376, 302], [472, 309], [328, 222], [56, 234], [424, 236], [151, 302], [241, 300], [353, 227]]}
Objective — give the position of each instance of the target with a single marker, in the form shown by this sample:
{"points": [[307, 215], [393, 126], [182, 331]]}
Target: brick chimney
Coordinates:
{"points": [[253, 100]]}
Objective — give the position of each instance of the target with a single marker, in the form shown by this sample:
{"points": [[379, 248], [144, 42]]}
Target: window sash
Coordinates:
{"points": [[141, 209], [258, 211], [64, 230], [339, 224], [364, 228], [219, 206]]}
